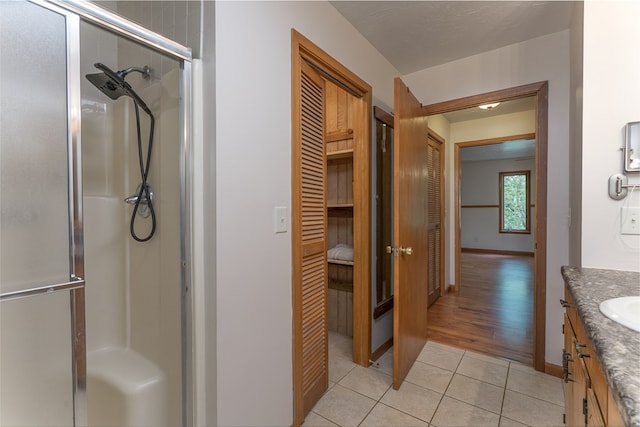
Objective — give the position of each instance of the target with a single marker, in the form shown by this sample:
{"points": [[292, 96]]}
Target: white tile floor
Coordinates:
{"points": [[447, 386]]}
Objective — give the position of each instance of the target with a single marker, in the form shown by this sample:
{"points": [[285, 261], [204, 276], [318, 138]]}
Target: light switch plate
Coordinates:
{"points": [[281, 219], [630, 220]]}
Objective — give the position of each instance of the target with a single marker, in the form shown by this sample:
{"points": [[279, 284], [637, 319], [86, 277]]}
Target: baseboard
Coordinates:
{"points": [[382, 349], [551, 369], [454, 287], [496, 251]]}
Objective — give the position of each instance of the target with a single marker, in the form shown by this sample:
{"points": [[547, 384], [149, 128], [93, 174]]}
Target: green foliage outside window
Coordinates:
{"points": [[514, 201]]}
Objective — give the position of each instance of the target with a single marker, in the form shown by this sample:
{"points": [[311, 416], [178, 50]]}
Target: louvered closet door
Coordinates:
{"points": [[435, 221], [310, 252]]}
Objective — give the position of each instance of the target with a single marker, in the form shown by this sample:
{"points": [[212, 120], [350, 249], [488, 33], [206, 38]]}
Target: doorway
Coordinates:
{"points": [[540, 92], [331, 206]]}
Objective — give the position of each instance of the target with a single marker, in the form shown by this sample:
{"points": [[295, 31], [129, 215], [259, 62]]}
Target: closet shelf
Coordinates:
{"points": [[340, 154], [339, 135], [339, 262], [339, 205]]}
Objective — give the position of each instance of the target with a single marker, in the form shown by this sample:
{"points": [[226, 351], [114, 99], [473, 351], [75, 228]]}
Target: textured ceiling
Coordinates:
{"points": [[414, 35]]}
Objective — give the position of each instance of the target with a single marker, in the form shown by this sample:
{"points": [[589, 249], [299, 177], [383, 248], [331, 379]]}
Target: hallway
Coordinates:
{"points": [[493, 311], [447, 386]]}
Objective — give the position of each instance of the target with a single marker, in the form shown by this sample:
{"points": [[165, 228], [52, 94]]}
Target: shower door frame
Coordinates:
{"points": [[76, 283], [74, 12]]}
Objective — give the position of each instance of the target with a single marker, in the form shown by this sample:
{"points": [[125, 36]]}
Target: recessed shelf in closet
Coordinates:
{"points": [[339, 140]]}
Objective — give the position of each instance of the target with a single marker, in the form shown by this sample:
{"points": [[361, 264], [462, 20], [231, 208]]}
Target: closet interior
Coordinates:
{"points": [[341, 256]]}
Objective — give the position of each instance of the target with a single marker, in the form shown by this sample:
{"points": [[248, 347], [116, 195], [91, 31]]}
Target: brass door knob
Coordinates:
{"points": [[407, 250]]}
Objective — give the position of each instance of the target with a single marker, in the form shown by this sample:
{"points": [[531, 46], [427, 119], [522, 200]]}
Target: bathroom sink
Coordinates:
{"points": [[624, 310]]}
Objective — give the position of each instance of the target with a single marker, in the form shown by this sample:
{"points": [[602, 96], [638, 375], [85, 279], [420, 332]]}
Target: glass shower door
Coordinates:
{"points": [[42, 310]]}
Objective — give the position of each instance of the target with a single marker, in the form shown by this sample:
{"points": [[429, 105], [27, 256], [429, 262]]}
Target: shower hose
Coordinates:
{"points": [[144, 194]]}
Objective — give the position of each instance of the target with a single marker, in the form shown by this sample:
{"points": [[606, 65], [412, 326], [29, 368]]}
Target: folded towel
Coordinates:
{"points": [[341, 251]]}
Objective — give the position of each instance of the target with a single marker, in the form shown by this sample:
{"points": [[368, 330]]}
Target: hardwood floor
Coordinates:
{"points": [[492, 313]]}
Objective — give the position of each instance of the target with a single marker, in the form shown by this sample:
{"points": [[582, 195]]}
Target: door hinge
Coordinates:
{"points": [[563, 329], [584, 406], [564, 418]]}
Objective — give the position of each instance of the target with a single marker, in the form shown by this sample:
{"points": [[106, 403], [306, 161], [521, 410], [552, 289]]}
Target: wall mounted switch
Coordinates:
{"points": [[630, 220], [281, 219]]}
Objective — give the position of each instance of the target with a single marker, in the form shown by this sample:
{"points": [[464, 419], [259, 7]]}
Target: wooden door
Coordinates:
{"points": [[435, 202], [410, 232], [311, 368]]}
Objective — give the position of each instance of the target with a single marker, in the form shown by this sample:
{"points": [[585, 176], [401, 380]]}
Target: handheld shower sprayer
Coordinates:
{"points": [[113, 85]]}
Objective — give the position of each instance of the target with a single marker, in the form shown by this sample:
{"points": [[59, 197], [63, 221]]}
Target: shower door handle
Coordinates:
{"points": [[74, 283]]}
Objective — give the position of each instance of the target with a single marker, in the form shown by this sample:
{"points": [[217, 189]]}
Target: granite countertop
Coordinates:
{"points": [[617, 347]]}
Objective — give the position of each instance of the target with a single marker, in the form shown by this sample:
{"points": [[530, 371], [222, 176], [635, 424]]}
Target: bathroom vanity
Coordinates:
{"points": [[601, 358]]}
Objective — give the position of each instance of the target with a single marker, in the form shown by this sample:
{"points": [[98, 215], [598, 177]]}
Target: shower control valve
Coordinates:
{"points": [[143, 202]]}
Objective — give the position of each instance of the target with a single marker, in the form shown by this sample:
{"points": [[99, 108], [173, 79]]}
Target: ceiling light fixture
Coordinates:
{"points": [[489, 106]]}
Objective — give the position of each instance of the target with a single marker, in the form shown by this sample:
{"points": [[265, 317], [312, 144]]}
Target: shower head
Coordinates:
{"points": [[113, 85]]}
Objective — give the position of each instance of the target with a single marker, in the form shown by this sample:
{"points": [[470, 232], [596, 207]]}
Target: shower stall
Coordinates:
{"points": [[95, 262]]}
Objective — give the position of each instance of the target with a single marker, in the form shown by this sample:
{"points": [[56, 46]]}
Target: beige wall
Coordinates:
{"points": [[494, 127], [441, 126]]}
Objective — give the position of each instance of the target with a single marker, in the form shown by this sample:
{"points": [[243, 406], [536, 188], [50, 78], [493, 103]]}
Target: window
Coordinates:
{"points": [[514, 202]]}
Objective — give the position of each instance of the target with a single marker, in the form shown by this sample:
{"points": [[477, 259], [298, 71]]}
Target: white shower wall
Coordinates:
{"points": [[133, 290]]}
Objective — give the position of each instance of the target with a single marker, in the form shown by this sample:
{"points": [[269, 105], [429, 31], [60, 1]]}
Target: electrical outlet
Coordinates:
{"points": [[630, 220]]}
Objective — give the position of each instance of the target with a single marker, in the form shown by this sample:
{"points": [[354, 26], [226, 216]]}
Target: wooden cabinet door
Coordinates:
{"points": [[575, 391], [594, 416], [410, 232], [614, 419], [577, 407], [569, 367]]}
